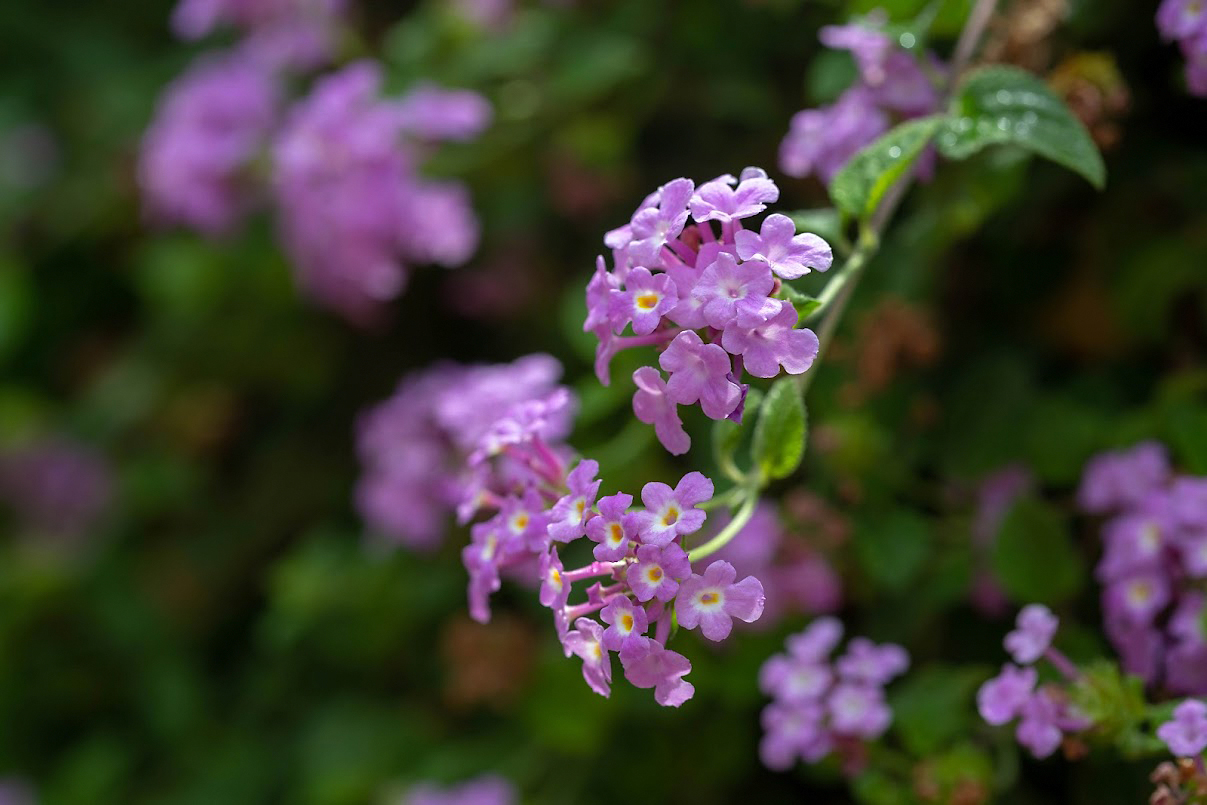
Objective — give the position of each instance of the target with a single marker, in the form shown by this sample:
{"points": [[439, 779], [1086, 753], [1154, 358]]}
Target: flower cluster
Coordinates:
{"points": [[796, 577], [489, 789], [707, 301], [1153, 563], [891, 85], [1185, 22], [821, 706], [353, 206], [287, 33], [1186, 733], [415, 445], [1044, 714], [213, 121], [345, 164]]}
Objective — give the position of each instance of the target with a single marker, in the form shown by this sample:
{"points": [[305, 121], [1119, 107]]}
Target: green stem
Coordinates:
{"points": [[731, 528]]}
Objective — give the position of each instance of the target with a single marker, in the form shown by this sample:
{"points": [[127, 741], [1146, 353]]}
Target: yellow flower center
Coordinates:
{"points": [[647, 301], [654, 574], [709, 598], [671, 517], [627, 622], [617, 533]]}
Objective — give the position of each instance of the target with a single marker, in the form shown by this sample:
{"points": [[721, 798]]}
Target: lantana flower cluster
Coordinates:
{"points": [[1185, 22], [415, 446], [343, 166], [705, 298], [892, 87], [1153, 564], [1044, 712], [821, 705]]}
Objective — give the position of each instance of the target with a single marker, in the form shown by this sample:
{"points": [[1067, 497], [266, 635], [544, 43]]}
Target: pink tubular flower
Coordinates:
{"points": [[652, 406], [671, 513], [864, 661], [700, 372], [645, 299], [663, 670], [768, 345], [657, 572], [584, 642], [779, 247], [713, 600], [1035, 628], [569, 515], [614, 528], [1001, 698], [1186, 733], [859, 710], [554, 590], [653, 227], [626, 626], [726, 199], [735, 292]]}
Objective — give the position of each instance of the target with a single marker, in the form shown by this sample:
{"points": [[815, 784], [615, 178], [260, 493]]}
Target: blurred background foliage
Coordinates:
{"points": [[223, 634]]}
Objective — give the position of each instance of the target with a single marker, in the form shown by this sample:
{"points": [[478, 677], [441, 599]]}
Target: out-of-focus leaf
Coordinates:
{"points": [[893, 549], [1034, 558]]}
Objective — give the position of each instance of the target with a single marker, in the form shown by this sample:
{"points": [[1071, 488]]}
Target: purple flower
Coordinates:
{"points": [[569, 515], [1138, 598], [353, 207], [720, 200], [14, 791], [660, 669], [657, 572], [1186, 733], [1187, 502], [864, 661], [654, 226], [996, 493], [614, 528], [554, 590], [1182, 19], [488, 789], [627, 624], [869, 45], [672, 512], [778, 246], [1034, 630], [789, 679], [652, 406], [713, 600], [821, 141], [1132, 542], [1122, 478], [431, 113], [792, 731], [584, 641], [1002, 698], [1039, 726], [858, 709], [816, 642], [731, 291], [195, 161], [699, 372], [774, 343], [644, 301]]}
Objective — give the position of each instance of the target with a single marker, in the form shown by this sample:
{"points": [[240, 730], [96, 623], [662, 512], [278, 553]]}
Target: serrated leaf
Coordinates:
{"points": [[858, 188], [779, 435], [1034, 558], [1000, 104]]}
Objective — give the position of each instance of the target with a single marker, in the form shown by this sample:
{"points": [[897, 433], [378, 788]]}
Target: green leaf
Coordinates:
{"points": [[933, 706], [825, 222], [779, 436], [727, 435], [1034, 558], [863, 181], [999, 104], [893, 549], [803, 302]]}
